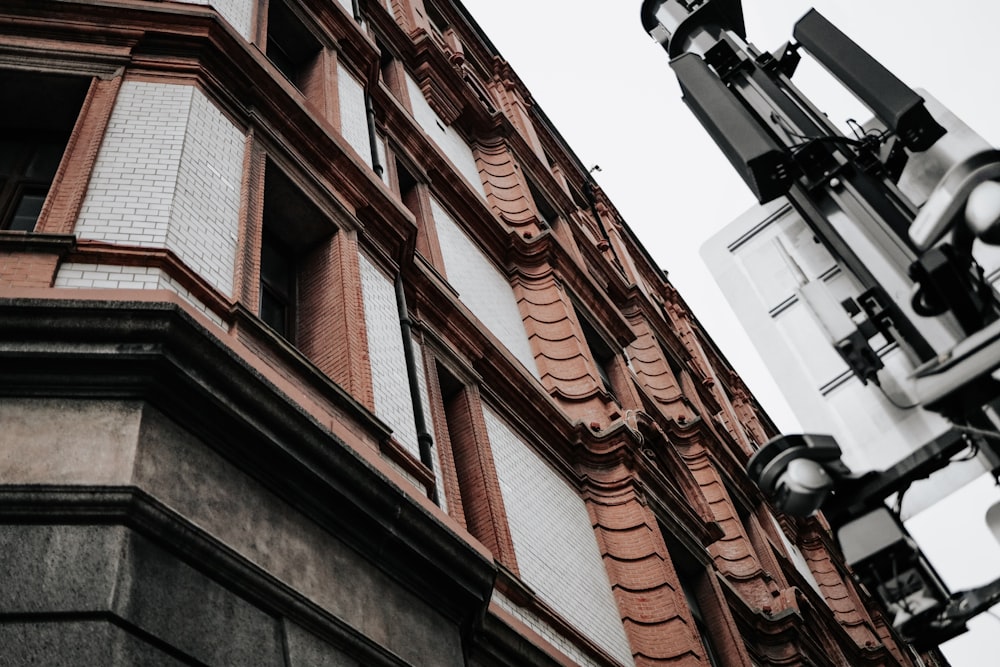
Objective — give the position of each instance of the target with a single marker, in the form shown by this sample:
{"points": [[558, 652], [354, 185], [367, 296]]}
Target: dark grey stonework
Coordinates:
{"points": [[77, 643], [161, 503], [307, 650]]}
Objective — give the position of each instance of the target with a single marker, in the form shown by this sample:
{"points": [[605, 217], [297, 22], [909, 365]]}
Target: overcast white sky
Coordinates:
{"points": [[609, 90]]}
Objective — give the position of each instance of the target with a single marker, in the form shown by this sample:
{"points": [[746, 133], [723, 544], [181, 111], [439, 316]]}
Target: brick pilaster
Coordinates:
{"points": [[61, 209], [485, 515], [657, 620]]}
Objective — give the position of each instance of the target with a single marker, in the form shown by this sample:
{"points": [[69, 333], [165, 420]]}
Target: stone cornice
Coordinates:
{"points": [[156, 352], [137, 510]]}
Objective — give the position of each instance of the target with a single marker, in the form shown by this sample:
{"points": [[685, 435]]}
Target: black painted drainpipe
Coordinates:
{"points": [[372, 134], [425, 441]]}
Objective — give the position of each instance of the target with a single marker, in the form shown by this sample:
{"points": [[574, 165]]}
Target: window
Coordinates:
{"points": [[291, 46], [277, 286], [603, 354], [33, 136], [434, 17], [408, 193], [293, 228], [545, 209], [691, 575]]}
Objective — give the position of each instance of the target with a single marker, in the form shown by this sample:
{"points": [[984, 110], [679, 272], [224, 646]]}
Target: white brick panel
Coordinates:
{"points": [[545, 630], [482, 287], [554, 540], [204, 218], [391, 388], [353, 118], [447, 139], [112, 276], [238, 13], [167, 175], [135, 174]]}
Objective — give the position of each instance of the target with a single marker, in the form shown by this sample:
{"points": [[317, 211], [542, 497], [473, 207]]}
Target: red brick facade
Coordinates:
{"points": [[652, 437]]}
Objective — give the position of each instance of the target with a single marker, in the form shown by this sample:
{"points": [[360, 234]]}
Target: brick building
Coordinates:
{"points": [[319, 347]]}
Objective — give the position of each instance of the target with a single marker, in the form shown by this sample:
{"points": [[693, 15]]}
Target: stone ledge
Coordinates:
{"points": [[157, 353]]}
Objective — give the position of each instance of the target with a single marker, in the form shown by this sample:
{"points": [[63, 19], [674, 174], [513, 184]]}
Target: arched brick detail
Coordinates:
{"points": [[649, 595], [506, 189], [565, 366], [653, 372], [60, 211], [842, 599], [680, 317], [733, 553]]}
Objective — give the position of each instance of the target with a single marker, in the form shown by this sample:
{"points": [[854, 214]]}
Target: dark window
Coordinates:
{"points": [[293, 226], [437, 21], [603, 354], [33, 136], [408, 189], [291, 46], [545, 209], [691, 574], [277, 286]]}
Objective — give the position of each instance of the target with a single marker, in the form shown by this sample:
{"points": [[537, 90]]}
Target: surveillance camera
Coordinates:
{"points": [[797, 471]]}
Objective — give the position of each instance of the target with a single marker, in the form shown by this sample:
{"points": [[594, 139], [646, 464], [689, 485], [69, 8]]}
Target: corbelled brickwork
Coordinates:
{"points": [[265, 404]]}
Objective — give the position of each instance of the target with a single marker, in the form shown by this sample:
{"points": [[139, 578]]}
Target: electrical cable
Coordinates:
{"points": [[972, 430], [895, 403], [973, 452], [897, 507]]}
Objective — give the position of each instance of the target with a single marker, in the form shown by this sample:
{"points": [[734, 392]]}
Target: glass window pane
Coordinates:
{"points": [[26, 212], [45, 161], [273, 311], [10, 152]]}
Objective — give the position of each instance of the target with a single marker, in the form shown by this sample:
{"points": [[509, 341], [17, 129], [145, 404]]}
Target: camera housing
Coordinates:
{"points": [[798, 472]]}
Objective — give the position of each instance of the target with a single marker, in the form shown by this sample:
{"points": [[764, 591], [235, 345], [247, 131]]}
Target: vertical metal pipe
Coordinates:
{"points": [[425, 441], [373, 135]]}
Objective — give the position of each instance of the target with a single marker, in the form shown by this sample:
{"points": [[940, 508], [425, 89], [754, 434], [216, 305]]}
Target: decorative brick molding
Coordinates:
{"points": [[100, 253], [653, 372], [69, 187], [567, 370], [734, 555], [657, 620], [506, 189], [840, 595]]}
